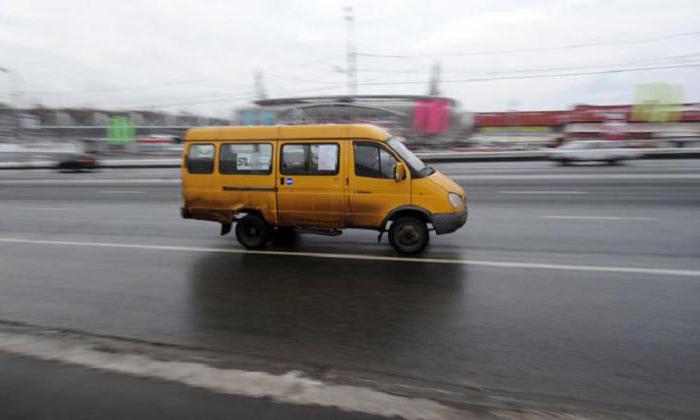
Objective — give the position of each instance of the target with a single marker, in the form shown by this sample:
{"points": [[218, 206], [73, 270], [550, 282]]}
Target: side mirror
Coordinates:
{"points": [[399, 172]]}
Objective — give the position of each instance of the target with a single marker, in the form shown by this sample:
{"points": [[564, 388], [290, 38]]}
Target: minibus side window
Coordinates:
{"points": [[309, 159], [200, 159], [373, 161], [245, 158]]}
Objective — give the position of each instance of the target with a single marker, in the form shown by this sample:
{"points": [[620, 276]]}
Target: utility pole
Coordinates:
{"points": [[434, 85], [260, 92], [351, 68]]}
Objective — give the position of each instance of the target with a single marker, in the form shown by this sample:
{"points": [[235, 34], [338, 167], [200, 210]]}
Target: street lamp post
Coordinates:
{"points": [[351, 68], [16, 84]]}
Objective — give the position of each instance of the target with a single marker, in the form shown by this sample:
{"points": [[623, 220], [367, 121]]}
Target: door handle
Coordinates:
{"points": [[362, 192]]}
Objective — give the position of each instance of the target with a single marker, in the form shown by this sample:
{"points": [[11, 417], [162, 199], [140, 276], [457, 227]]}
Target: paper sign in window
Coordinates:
{"points": [[253, 161], [244, 162], [327, 157]]}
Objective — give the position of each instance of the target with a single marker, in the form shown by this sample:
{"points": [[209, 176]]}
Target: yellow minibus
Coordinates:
{"points": [[316, 179]]}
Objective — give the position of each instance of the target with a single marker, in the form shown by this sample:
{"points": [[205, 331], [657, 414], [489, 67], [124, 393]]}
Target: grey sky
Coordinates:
{"points": [[200, 55]]}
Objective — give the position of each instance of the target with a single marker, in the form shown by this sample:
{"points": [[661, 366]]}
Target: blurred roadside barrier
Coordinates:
{"points": [[543, 154], [430, 157]]}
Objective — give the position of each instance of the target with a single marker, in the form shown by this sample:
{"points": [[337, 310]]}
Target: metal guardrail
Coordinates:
{"points": [[446, 157], [431, 157]]}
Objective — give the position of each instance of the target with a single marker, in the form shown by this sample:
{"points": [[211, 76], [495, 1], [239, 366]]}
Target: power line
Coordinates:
{"points": [[682, 58], [648, 61], [300, 79], [250, 95], [130, 88], [669, 60], [242, 96], [170, 83], [536, 76], [538, 49]]}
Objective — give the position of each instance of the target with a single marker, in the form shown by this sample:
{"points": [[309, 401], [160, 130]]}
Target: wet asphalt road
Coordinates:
{"points": [[619, 341], [75, 393]]}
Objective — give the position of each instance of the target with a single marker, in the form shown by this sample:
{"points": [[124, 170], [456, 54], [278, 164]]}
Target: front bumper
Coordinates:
{"points": [[449, 222]]}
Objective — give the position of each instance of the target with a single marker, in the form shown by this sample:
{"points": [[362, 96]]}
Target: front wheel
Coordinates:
{"points": [[252, 231], [408, 235]]}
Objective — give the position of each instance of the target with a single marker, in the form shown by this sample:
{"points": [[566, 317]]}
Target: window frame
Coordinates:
{"points": [[379, 146], [308, 158], [189, 156], [247, 172]]}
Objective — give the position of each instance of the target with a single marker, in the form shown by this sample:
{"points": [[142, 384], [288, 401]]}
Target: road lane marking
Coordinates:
{"points": [[46, 208], [599, 218], [467, 262], [541, 192], [291, 387], [119, 192]]}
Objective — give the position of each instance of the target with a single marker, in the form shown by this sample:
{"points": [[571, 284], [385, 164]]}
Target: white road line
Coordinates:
{"points": [[480, 263], [119, 192], [46, 208], [598, 218], [541, 192], [292, 387]]}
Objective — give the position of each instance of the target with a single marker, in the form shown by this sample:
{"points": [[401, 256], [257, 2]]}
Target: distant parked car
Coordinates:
{"points": [[610, 152], [77, 162]]}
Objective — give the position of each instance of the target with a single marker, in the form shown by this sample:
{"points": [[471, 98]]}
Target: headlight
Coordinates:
{"points": [[455, 200]]}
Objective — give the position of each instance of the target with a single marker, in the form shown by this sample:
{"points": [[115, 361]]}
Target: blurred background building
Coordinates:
{"points": [[420, 119], [675, 126], [46, 124], [424, 121]]}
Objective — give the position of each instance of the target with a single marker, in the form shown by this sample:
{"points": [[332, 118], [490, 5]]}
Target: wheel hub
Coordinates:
{"points": [[408, 235]]}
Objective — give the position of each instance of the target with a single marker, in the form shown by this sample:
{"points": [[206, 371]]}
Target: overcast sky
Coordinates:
{"points": [[200, 56]]}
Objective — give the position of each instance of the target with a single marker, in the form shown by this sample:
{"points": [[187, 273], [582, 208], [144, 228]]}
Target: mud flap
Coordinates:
{"points": [[225, 228]]}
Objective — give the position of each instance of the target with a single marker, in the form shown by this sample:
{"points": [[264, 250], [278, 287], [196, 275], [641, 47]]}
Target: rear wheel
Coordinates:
{"points": [[408, 235], [252, 231]]}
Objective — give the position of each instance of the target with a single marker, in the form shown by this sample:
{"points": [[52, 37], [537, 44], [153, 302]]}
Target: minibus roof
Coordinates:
{"points": [[288, 132]]}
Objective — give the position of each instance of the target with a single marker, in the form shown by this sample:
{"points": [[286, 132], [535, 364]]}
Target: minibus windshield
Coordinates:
{"points": [[419, 168]]}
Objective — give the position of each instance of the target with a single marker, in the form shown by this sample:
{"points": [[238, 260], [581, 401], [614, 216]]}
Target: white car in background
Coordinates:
{"points": [[610, 152]]}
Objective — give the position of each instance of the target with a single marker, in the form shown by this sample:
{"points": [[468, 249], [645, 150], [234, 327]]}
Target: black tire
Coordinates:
{"points": [[408, 235], [252, 231], [612, 162]]}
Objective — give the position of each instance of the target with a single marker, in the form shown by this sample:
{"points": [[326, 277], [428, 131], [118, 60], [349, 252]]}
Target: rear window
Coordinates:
{"points": [[310, 159], [251, 159], [200, 159]]}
